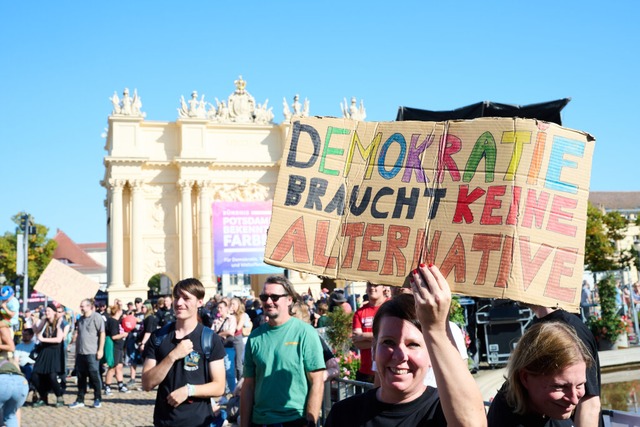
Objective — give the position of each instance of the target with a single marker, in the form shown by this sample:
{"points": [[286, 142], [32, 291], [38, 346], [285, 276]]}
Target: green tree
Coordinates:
{"points": [[603, 231], [339, 330], [40, 251]]}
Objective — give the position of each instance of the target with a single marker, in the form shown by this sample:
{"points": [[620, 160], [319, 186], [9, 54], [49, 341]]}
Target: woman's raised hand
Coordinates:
{"points": [[432, 296]]}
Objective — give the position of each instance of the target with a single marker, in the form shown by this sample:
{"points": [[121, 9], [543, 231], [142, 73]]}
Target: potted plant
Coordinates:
{"points": [[338, 334], [608, 325]]}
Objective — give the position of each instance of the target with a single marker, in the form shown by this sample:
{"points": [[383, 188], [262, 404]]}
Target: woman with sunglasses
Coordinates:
{"points": [[410, 336]]}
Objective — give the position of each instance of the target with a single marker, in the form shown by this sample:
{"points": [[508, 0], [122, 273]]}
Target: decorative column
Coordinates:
{"points": [[205, 260], [117, 251], [137, 255], [186, 233]]}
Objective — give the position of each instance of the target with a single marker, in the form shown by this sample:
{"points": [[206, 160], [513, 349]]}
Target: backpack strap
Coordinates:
{"points": [[206, 342], [162, 333]]}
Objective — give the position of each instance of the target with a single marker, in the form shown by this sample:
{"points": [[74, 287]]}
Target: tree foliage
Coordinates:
{"points": [[608, 324], [339, 330], [603, 231], [40, 251]]}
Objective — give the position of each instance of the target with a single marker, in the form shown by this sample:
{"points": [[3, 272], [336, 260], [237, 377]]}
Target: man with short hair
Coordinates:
{"points": [[283, 365], [90, 337], [177, 364], [23, 350], [363, 329], [165, 313]]}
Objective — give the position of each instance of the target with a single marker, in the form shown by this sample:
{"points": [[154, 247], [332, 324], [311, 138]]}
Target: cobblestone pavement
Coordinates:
{"points": [[131, 409]]}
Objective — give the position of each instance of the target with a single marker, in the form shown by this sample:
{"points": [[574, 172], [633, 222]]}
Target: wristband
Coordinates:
{"points": [[191, 390]]}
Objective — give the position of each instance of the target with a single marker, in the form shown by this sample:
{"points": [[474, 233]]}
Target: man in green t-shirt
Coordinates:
{"points": [[283, 364]]}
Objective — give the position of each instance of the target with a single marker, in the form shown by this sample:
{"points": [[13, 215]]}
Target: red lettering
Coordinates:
{"points": [[370, 245], [558, 214], [351, 231], [294, 238], [464, 200], [531, 266], [418, 247], [320, 246], [431, 253], [535, 208], [506, 261], [485, 243], [491, 203], [560, 268], [449, 146], [512, 216], [455, 259], [397, 238]]}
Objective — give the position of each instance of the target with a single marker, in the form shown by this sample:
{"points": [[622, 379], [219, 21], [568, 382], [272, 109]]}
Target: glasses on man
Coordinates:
{"points": [[274, 297]]}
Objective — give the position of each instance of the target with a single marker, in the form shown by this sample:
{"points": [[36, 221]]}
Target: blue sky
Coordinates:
{"points": [[61, 61]]}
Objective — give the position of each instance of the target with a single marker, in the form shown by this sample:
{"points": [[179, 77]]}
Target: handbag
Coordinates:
{"points": [[228, 341], [35, 352]]}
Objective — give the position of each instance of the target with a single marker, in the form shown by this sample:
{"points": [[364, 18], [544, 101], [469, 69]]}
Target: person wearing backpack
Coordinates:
{"points": [[185, 360]]}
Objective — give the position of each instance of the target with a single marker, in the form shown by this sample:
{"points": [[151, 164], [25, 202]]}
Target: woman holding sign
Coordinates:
{"points": [[410, 336]]}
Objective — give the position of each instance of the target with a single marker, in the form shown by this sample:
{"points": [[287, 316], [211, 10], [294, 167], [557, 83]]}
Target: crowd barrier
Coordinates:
{"points": [[339, 389]]}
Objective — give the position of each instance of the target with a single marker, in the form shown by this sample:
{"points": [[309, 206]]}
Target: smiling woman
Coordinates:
{"points": [[410, 336], [546, 378]]}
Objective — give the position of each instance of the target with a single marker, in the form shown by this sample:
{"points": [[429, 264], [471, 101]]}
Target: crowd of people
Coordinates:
{"points": [[268, 355]]}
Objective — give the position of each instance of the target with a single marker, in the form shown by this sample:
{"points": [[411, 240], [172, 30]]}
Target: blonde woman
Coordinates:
{"points": [[546, 377], [243, 329]]}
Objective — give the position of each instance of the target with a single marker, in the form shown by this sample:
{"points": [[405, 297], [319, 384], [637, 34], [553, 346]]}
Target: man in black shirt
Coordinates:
{"points": [[178, 365]]}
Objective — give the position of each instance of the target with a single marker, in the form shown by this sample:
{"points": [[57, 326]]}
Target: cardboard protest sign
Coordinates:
{"points": [[65, 285], [498, 204]]}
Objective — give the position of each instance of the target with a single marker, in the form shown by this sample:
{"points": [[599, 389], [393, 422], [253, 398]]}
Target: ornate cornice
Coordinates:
{"points": [[125, 160]]}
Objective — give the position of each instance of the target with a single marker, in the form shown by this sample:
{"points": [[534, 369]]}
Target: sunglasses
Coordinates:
{"points": [[274, 297]]}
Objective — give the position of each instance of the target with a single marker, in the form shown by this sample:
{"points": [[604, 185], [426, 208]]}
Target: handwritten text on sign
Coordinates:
{"points": [[498, 204]]}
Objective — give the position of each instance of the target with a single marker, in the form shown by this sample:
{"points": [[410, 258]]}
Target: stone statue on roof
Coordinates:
{"points": [[352, 111], [299, 110], [127, 106], [241, 104], [195, 108], [263, 114]]}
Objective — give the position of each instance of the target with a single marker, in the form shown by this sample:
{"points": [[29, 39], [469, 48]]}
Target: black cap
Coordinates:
{"points": [[138, 300]]}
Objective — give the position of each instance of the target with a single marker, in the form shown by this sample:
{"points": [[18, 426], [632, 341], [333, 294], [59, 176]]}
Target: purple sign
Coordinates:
{"points": [[240, 236]]}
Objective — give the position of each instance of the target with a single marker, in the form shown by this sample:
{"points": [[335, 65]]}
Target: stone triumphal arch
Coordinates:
{"points": [[162, 177]]}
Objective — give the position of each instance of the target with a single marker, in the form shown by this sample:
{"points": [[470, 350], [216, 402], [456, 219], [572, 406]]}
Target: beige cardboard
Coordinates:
{"points": [[498, 204], [65, 285]]}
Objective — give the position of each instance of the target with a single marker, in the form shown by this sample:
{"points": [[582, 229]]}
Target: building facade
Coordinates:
{"points": [[162, 178], [627, 203]]}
